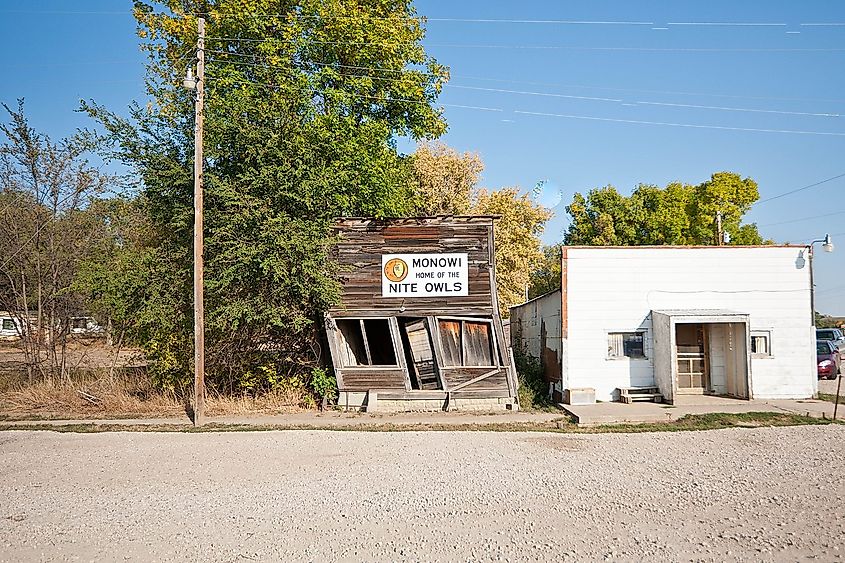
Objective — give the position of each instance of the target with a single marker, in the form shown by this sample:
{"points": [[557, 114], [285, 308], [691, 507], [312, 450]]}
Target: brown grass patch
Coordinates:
{"points": [[128, 396]]}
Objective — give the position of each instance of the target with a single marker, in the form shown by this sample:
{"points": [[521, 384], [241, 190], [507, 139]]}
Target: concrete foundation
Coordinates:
{"points": [[372, 402]]}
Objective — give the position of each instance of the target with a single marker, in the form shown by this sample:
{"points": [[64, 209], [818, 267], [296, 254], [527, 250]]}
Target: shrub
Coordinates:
{"points": [[533, 387]]}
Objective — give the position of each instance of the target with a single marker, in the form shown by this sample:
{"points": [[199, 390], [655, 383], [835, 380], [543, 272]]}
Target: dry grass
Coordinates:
{"points": [[128, 396]]}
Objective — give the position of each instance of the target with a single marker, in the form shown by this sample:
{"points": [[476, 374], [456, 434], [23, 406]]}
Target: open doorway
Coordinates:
{"points": [[701, 352], [693, 364], [417, 343]]}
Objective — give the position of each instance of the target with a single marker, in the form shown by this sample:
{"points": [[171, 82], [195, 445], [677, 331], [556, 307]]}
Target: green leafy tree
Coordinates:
{"points": [[304, 102], [547, 276], [678, 214]]}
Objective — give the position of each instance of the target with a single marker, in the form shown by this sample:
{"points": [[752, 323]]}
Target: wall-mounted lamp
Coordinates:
{"points": [[827, 244]]}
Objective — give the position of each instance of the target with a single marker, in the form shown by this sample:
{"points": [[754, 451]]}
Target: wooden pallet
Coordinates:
{"points": [[640, 394]]}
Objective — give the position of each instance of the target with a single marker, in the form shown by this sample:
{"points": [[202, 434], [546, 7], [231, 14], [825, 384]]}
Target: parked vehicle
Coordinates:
{"points": [[834, 335], [828, 359]]}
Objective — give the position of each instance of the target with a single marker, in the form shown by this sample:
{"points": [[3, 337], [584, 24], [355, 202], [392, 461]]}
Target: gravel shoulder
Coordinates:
{"points": [[773, 494]]}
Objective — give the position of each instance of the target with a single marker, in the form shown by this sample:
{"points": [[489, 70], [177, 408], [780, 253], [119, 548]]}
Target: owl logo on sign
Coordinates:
{"points": [[396, 269]]}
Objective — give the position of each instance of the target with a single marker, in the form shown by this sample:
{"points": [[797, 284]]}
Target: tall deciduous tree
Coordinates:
{"points": [[517, 234], [678, 214], [446, 184], [304, 102], [444, 178], [46, 230], [547, 276]]}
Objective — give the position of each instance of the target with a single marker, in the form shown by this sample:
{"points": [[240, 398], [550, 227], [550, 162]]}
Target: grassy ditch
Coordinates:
{"points": [[713, 421]]}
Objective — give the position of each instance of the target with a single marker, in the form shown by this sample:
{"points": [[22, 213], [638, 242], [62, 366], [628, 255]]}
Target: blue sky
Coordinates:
{"points": [[769, 98]]}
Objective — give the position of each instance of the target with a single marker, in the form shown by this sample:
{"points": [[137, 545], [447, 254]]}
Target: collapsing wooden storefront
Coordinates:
{"points": [[418, 327]]}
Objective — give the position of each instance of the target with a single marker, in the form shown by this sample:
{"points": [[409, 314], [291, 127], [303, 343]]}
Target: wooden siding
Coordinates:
{"points": [[362, 243], [378, 378], [457, 376]]}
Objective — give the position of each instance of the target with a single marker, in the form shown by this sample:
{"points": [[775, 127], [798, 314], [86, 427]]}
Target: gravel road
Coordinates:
{"points": [[744, 494]]}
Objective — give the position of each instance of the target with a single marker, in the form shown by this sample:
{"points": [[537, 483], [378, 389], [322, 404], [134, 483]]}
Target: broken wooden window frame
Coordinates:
{"points": [[492, 341], [343, 342]]}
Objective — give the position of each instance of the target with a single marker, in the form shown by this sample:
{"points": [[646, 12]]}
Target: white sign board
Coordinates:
{"points": [[424, 275]]}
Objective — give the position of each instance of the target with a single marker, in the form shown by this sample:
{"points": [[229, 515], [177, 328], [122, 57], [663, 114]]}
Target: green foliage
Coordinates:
{"points": [[323, 383], [547, 277], [826, 321], [679, 214], [298, 131], [533, 388]]}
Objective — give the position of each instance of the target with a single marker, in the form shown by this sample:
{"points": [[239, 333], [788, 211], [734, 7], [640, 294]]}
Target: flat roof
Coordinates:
{"points": [[699, 313], [689, 247]]}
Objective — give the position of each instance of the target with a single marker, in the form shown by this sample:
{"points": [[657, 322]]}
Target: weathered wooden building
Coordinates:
{"points": [[418, 327]]}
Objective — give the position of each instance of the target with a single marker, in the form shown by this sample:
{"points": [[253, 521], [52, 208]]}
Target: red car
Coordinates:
{"points": [[827, 356]]}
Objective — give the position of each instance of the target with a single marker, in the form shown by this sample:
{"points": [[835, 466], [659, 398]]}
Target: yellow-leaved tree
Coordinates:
{"points": [[446, 184], [445, 179]]}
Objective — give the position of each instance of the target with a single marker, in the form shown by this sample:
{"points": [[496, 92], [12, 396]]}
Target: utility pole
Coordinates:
{"points": [[199, 312], [719, 237]]}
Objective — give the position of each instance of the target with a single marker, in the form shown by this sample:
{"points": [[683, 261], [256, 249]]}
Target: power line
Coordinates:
{"points": [[718, 127], [362, 96], [593, 118], [808, 239], [550, 47], [801, 189], [782, 112], [523, 92], [520, 21], [559, 85], [803, 219], [730, 24]]}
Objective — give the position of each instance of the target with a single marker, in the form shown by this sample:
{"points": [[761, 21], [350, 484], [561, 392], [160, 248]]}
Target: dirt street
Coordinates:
{"points": [[744, 494]]}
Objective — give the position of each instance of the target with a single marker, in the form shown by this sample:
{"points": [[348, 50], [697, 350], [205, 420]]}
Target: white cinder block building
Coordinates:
{"points": [[727, 320]]}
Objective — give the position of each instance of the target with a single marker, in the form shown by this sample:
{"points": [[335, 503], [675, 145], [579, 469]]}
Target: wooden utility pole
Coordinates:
{"points": [[199, 312], [719, 236]]}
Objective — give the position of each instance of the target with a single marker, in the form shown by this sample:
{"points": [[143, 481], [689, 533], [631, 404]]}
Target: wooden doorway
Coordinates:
{"points": [[691, 344], [416, 340]]}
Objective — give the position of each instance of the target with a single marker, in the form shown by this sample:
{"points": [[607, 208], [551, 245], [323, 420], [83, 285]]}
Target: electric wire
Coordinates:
{"points": [[520, 92], [801, 189], [689, 125], [549, 47], [594, 118], [803, 219], [354, 95]]}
